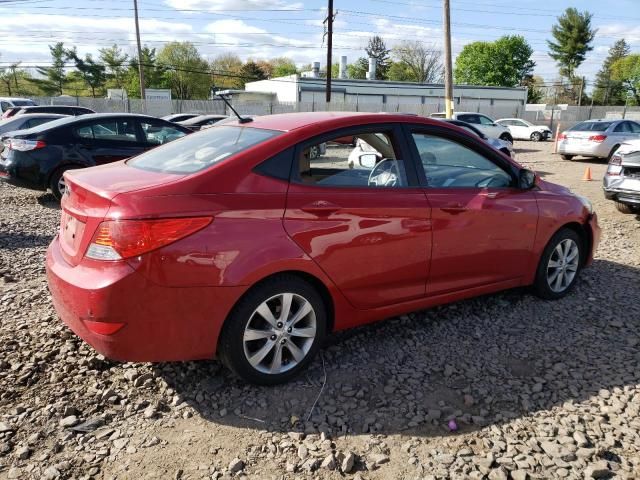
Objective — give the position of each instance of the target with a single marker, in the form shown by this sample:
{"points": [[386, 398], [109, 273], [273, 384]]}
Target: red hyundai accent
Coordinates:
{"points": [[235, 243]]}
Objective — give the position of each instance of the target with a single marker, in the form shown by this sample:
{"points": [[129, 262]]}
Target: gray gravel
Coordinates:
{"points": [[534, 389]]}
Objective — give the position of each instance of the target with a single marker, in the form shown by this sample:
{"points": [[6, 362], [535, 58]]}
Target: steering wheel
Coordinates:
{"points": [[386, 173]]}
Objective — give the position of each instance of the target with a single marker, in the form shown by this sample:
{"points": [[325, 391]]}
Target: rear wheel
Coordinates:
{"points": [[274, 332], [536, 136], [624, 208], [559, 266], [57, 184], [567, 157], [506, 137]]}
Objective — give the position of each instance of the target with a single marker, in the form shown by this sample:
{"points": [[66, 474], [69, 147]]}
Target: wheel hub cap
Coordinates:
{"points": [[563, 265]]}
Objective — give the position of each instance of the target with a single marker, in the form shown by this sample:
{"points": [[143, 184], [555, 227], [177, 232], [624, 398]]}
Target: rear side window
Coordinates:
{"points": [[591, 126], [469, 118], [158, 133], [117, 130], [34, 122], [199, 151]]}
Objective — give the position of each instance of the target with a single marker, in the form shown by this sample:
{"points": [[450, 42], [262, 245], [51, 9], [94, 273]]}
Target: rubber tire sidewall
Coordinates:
{"points": [[540, 285], [53, 181], [536, 136], [567, 157], [506, 138], [626, 209], [230, 346]]}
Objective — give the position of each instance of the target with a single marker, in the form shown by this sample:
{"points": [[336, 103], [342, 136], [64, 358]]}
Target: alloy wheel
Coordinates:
{"points": [[62, 185], [279, 333], [563, 265]]}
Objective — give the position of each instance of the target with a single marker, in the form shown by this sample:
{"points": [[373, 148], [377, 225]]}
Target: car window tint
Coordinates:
{"points": [[4, 105], [591, 126], [448, 164], [622, 127], [485, 120], [469, 118], [371, 163], [158, 133], [635, 127], [34, 122], [108, 129], [197, 152]]}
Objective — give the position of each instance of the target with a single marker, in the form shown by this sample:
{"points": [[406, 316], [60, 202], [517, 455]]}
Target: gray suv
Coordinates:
{"points": [[622, 180]]}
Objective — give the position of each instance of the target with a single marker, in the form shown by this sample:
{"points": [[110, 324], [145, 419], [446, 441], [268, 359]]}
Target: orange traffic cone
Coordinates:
{"points": [[587, 175]]}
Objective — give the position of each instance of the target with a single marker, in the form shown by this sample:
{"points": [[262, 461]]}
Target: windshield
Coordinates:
{"points": [[199, 151], [591, 126]]}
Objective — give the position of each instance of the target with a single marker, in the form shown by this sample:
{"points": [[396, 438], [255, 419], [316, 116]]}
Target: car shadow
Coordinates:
{"points": [[47, 200], [481, 362]]}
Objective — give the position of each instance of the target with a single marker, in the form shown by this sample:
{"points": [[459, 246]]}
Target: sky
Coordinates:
{"points": [[260, 29]]}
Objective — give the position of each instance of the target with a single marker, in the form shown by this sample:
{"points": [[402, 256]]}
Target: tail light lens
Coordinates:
{"points": [[597, 138], [562, 136], [22, 145], [119, 239], [615, 160], [615, 166]]}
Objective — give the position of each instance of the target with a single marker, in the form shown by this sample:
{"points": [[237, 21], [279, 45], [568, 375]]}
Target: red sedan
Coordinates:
{"points": [[234, 242]]}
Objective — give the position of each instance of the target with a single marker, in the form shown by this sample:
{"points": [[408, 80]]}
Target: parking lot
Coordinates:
{"points": [[536, 389]]}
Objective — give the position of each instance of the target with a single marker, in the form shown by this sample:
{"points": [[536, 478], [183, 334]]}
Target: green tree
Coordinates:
{"points": [[186, 72], [358, 69], [283, 66], [400, 72], [607, 91], [572, 37], [418, 63], [627, 72], [378, 49], [534, 84], [503, 63], [93, 74], [115, 61], [153, 73], [55, 75], [226, 71], [251, 72]]}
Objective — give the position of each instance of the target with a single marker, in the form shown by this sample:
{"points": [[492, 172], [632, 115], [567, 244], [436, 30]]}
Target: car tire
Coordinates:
{"points": [[567, 157], [507, 138], [536, 136], [550, 282], [624, 208], [56, 181], [268, 352]]}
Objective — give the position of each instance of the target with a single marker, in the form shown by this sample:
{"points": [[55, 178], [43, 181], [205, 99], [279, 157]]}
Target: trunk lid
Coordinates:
{"points": [[88, 197]]}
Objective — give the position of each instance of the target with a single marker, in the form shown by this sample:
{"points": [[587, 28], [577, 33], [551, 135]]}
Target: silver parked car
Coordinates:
{"points": [[502, 145], [596, 138], [622, 180], [483, 123]]}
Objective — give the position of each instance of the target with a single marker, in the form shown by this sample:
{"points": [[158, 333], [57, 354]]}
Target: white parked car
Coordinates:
{"points": [[483, 123], [523, 130]]}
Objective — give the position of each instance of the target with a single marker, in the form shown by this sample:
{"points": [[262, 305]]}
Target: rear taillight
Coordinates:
{"points": [[597, 138], [25, 145], [562, 136], [615, 166], [119, 239], [615, 160]]}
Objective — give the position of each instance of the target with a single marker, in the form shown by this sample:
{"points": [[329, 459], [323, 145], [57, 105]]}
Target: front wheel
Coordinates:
{"points": [[536, 136], [567, 157], [57, 184], [559, 266], [506, 137], [274, 332], [624, 208]]}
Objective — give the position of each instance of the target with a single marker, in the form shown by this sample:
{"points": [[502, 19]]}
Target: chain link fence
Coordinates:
{"points": [[548, 115]]}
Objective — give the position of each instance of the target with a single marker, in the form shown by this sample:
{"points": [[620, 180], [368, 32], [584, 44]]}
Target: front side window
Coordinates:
{"points": [[112, 130], [635, 127], [448, 164], [367, 159], [485, 120], [159, 133], [469, 118], [197, 152], [623, 127]]}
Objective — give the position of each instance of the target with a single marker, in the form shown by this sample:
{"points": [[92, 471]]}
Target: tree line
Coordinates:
{"points": [[505, 62]]}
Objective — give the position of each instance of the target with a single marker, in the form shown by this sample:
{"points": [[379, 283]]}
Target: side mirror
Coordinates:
{"points": [[526, 179], [368, 160]]}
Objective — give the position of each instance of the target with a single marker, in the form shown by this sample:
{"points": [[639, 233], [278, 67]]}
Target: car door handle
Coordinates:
{"points": [[320, 207], [453, 207]]}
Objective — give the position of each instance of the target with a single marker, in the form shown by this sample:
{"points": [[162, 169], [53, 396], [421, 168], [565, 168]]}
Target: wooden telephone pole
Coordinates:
{"points": [[140, 66], [329, 21], [448, 68]]}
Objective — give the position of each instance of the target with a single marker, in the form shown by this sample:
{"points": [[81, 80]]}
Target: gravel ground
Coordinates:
{"points": [[536, 389]]}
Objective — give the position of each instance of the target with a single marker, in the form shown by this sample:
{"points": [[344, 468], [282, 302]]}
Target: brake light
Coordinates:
{"points": [[615, 160], [25, 145], [562, 136], [615, 166], [597, 138], [119, 239]]}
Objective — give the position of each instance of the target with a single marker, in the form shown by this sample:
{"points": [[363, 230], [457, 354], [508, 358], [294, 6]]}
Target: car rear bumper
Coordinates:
{"points": [[11, 169], [587, 150], [159, 323], [630, 197]]}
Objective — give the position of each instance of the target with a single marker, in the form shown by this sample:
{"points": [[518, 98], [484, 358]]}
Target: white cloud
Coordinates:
{"points": [[225, 5]]}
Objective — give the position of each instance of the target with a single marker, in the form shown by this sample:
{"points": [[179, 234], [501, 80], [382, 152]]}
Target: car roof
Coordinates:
{"points": [[39, 115], [286, 122]]}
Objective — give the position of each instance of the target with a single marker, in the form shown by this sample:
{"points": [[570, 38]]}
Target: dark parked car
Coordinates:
{"points": [[37, 158], [22, 122], [201, 121], [180, 117], [59, 109]]}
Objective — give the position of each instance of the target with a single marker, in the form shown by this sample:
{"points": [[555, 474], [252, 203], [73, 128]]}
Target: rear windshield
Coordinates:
{"points": [[591, 126], [201, 150], [23, 103]]}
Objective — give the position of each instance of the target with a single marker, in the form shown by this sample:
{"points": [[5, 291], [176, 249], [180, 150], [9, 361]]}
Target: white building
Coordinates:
{"points": [[296, 88]]}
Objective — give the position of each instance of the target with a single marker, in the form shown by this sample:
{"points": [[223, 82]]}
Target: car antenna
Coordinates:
{"points": [[240, 118]]}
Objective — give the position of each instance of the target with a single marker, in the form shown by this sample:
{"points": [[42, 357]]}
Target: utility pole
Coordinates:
{"points": [[448, 69], [329, 21], [140, 67], [581, 89]]}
